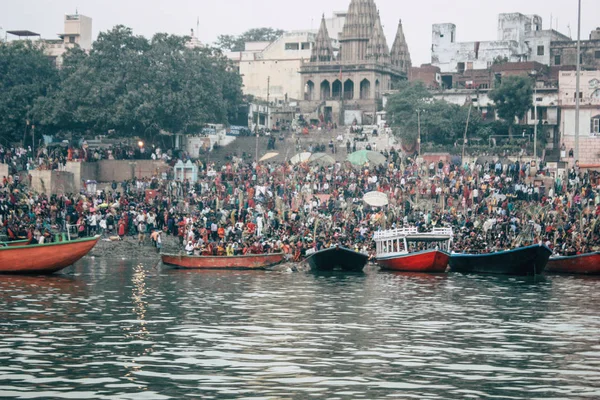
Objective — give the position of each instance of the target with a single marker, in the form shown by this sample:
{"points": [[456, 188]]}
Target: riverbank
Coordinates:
{"points": [[129, 248]]}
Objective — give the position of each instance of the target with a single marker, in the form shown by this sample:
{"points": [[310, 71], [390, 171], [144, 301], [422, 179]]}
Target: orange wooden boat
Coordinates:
{"points": [[249, 261], [586, 264], [44, 258], [14, 243]]}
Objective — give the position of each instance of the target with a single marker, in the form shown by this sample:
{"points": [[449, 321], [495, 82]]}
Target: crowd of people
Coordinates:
{"points": [[56, 155], [245, 207]]}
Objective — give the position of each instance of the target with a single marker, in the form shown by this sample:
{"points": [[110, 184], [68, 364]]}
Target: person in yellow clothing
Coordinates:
{"points": [[229, 250]]}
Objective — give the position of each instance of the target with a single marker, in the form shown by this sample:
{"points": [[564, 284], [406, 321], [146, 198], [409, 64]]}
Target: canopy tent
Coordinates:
{"points": [[321, 159], [376, 199], [363, 157], [268, 156], [300, 158]]}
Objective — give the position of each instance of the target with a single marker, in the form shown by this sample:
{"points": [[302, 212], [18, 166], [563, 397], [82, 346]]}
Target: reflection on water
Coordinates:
{"points": [[130, 330]]}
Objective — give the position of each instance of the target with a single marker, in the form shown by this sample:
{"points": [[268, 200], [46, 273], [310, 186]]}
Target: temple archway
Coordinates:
{"points": [[309, 91], [365, 89], [325, 90], [349, 89], [336, 89]]}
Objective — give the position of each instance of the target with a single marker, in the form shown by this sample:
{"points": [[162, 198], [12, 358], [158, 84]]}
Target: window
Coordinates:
{"points": [[292, 46], [540, 50], [595, 125], [580, 96], [469, 65], [597, 54], [556, 60], [305, 46], [71, 39]]}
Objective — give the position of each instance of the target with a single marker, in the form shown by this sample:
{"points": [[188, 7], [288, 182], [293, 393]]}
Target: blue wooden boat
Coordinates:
{"points": [[529, 260], [337, 258]]}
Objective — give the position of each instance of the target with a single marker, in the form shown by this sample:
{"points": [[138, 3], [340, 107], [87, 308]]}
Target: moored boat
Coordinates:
{"points": [[529, 260], [44, 258], [337, 257], [406, 249], [14, 243], [586, 264], [248, 261]]}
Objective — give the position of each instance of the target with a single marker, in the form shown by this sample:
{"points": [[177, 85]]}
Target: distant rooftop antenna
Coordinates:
{"points": [[76, 11], [569, 28], [197, 24]]}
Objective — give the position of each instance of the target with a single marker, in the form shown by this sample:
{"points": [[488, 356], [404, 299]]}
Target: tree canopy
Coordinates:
{"points": [[138, 87], [513, 98], [441, 122], [237, 43], [26, 75]]}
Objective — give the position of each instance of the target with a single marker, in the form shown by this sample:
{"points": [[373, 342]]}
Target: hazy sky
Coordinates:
{"points": [[474, 19]]}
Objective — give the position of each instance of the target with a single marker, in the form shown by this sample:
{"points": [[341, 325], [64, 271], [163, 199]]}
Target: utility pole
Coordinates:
{"points": [[418, 133], [535, 121], [465, 135], [577, 82]]}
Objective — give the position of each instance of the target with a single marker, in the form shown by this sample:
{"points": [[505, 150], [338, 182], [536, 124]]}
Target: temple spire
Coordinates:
{"points": [[322, 50], [400, 56], [358, 29], [377, 48]]}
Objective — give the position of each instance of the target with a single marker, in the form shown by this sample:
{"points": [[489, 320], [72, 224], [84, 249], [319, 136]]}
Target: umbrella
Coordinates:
{"points": [[300, 158], [321, 159], [268, 156], [362, 157], [103, 205], [375, 199]]}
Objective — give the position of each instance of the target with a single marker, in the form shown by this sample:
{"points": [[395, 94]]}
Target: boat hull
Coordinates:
{"points": [[586, 264], [15, 243], [530, 260], [424, 261], [44, 258], [337, 258], [251, 261]]}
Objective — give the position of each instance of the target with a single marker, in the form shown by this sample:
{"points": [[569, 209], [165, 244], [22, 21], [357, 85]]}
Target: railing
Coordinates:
{"points": [[412, 231]]}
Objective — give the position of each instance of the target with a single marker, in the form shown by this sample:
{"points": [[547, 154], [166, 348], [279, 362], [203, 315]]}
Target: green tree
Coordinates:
{"points": [[138, 87], [402, 109], [26, 74], [512, 99], [237, 43]]}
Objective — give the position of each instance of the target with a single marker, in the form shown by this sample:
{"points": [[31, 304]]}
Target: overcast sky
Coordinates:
{"points": [[474, 19]]}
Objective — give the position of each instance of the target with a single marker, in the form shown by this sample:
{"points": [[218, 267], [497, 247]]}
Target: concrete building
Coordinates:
{"points": [[589, 114], [77, 32], [347, 87], [565, 52], [520, 38], [270, 69]]}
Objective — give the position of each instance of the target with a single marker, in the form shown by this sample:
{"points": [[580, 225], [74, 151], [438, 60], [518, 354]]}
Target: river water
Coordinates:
{"points": [[138, 330]]}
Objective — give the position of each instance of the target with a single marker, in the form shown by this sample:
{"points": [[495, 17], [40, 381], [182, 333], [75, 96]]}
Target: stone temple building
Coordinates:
{"points": [[346, 86]]}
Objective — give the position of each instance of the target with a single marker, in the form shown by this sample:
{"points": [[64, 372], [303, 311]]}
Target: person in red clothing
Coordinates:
{"points": [[251, 227]]}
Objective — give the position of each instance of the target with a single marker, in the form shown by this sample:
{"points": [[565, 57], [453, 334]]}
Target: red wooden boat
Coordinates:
{"points": [[421, 261], [249, 261], [398, 249], [44, 258], [588, 264]]}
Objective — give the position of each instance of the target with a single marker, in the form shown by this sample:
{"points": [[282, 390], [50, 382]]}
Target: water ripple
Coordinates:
{"points": [[130, 331]]}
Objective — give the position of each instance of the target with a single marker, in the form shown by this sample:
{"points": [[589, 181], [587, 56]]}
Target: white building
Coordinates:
{"points": [[520, 38], [77, 32], [589, 114], [271, 70]]}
